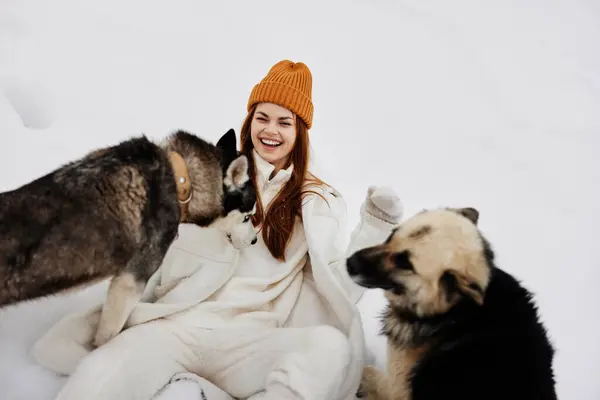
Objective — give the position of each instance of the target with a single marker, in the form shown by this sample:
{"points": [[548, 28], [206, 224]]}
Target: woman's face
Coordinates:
{"points": [[273, 132]]}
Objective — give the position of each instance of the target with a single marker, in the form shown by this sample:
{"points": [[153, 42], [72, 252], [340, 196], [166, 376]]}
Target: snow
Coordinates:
{"points": [[488, 104]]}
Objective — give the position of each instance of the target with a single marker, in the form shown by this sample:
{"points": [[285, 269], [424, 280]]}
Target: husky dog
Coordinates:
{"points": [[456, 325], [114, 213]]}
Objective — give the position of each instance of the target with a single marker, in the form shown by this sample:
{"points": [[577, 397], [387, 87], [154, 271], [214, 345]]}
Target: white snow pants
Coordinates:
{"points": [[255, 363]]}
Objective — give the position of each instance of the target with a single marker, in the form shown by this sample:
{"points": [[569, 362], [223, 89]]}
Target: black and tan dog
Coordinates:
{"points": [[114, 213], [457, 327]]}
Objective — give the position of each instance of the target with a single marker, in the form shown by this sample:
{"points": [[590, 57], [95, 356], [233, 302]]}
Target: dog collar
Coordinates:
{"points": [[182, 179]]}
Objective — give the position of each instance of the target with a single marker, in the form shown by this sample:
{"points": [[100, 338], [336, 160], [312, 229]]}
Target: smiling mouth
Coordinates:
{"points": [[270, 142]]}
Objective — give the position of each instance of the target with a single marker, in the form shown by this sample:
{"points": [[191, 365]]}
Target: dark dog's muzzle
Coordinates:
{"points": [[366, 267], [365, 261]]}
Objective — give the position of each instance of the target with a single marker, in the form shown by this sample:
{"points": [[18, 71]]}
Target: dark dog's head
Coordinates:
{"points": [[428, 263]]}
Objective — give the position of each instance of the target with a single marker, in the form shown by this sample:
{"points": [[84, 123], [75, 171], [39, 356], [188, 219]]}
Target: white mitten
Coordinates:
{"points": [[384, 203]]}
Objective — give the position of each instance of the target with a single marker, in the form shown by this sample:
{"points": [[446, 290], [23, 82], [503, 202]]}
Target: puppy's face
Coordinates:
{"points": [[428, 263], [238, 228], [239, 205]]}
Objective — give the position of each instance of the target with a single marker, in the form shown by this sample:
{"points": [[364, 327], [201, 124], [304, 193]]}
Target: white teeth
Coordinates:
{"points": [[270, 142]]}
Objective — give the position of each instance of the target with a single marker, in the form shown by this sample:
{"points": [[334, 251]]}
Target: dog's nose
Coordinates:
{"points": [[254, 241], [353, 265]]}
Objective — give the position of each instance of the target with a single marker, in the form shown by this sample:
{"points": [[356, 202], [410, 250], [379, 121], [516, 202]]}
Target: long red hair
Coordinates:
{"points": [[279, 218]]}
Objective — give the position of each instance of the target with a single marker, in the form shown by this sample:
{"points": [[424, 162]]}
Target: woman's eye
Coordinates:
{"points": [[286, 124]]}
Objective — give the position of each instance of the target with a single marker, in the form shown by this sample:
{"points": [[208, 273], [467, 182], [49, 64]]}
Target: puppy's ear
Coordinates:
{"points": [[468, 212], [237, 173], [455, 283], [227, 144]]}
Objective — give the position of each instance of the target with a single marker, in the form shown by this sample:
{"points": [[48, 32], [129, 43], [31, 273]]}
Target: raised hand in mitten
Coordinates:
{"points": [[384, 203]]}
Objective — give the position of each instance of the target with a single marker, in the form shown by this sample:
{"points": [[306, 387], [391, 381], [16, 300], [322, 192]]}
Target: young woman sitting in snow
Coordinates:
{"points": [[277, 320]]}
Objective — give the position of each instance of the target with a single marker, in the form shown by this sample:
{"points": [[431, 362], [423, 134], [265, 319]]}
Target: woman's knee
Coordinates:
{"points": [[136, 348], [314, 369], [65, 344], [134, 364], [144, 341]]}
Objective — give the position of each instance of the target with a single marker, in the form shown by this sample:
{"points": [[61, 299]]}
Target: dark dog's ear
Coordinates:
{"points": [[468, 212], [228, 145], [237, 173], [455, 283]]}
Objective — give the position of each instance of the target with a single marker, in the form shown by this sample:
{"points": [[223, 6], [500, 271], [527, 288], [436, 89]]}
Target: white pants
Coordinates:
{"points": [[256, 363]]}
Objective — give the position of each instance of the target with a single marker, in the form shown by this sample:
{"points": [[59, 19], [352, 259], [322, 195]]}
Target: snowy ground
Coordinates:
{"points": [[490, 104]]}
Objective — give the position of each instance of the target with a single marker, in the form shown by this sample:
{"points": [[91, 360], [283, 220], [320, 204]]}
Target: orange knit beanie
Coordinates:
{"points": [[289, 85]]}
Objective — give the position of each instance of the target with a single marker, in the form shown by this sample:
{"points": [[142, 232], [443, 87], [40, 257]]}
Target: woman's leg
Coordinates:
{"points": [[283, 363], [314, 366], [134, 365], [62, 348]]}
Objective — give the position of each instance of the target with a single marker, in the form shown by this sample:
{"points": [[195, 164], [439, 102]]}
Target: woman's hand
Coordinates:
{"points": [[384, 203]]}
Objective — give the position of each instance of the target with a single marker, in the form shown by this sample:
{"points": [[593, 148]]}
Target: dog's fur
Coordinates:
{"points": [[456, 325], [114, 213]]}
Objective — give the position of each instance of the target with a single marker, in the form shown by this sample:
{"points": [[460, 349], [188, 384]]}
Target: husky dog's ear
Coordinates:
{"points": [[468, 212], [455, 282], [227, 144], [237, 173]]}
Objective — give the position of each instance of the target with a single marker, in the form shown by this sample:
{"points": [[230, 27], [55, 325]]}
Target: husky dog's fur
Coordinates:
{"points": [[114, 213], [457, 326]]}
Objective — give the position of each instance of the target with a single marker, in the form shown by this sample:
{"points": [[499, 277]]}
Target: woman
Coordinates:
{"points": [[276, 320]]}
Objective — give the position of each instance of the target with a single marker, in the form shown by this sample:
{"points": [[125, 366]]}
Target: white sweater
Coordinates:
{"points": [[262, 290], [204, 280]]}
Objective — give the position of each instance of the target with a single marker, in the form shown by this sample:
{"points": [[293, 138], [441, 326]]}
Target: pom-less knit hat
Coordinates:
{"points": [[289, 85]]}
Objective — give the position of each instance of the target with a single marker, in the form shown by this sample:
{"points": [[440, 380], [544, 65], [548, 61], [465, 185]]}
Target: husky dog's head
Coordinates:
{"points": [[429, 263], [223, 195], [239, 194]]}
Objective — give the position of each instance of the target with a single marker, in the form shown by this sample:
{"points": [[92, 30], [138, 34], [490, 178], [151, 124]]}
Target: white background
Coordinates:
{"points": [[491, 104]]}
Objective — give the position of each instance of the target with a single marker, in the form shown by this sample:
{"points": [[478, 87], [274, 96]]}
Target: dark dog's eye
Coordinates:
{"points": [[246, 218], [402, 261]]}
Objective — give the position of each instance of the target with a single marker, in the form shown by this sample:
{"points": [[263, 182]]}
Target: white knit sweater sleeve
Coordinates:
{"points": [[325, 224]]}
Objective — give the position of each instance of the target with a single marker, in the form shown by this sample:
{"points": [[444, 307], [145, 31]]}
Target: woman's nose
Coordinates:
{"points": [[271, 128]]}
